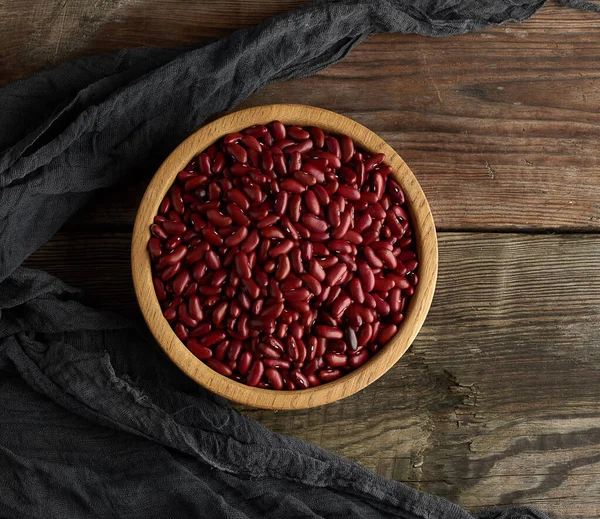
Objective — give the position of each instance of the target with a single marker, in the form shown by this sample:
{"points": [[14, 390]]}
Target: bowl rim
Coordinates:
{"points": [[421, 221]]}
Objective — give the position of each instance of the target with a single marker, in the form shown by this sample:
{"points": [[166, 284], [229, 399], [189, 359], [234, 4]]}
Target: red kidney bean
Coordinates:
{"points": [[367, 278], [340, 305], [318, 137], [165, 205], [304, 178], [332, 160], [159, 232], [335, 274], [297, 133], [159, 288], [328, 332], [170, 272], [154, 248], [180, 281], [237, 215], [277, 363], [281, 202], [335, 360], [292, 348], [274, 378], [329, 375], [221, 350], [300, 147], [314, 172], [357, 360], [299, 379], [312, 203], [202, 352], [174, 227], [347, 149], [219, 367]]}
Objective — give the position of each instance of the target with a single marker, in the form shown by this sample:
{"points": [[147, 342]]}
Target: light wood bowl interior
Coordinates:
{"points": [[421, 221]]}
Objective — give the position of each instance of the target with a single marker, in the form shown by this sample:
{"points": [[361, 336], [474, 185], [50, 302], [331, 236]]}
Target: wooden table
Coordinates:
{"points": [[498, 400]]}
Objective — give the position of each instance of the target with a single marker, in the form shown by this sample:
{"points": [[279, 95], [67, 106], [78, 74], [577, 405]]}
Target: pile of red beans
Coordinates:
{"points": [[283, 257]]}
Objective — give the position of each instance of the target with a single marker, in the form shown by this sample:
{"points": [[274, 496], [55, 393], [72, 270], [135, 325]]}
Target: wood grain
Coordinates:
{"points": [[496, 401], [421, 222]]}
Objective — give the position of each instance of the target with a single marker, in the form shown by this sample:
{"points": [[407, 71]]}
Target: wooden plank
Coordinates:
{"points": [[38, 33], [500, 127], [497, 400]]}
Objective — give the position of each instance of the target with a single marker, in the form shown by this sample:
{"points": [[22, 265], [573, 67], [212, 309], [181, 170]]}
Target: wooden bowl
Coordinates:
{"points": [[423, 228]]}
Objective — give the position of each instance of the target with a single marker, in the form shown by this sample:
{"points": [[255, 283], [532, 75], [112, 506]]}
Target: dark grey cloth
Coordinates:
{"points": [[94, 420]]}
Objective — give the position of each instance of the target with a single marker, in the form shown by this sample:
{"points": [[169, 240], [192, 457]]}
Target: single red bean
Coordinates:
{"points": [[165, 205], [159, 288], [297, 133], [278, 130], [283, 248], [295, 208], [299, 379], [251, 143], [244, 362], [333, 146], [374, 161], [159, 232], [221, 350], [237, 215], [180, 282], [318, 137], [317, 271], [340, 305], [335, 360], [279, 162], [202, 352], [347, 149], [177, 200], [268, 351], [356, 291], [154, 248], [281, 202], [219, 367], [328, 332], [357, 360], [239, 198], [174, 227], [335, 274], [329, 375], [301, 147], [304, 178], [295, 162], [255, 373], [293, 186], [386, 333], [290, 284], [251, 287], [367, 278], [384, 284], [170, 272], [274, 378], [173, 242], [212, 260]]}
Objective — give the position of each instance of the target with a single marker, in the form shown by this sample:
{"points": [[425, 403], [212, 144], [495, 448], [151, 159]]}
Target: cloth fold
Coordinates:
{"points": [[94, 420]]}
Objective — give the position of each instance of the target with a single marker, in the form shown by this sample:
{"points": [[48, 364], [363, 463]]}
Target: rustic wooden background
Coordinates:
{"points": [[498, 400]]}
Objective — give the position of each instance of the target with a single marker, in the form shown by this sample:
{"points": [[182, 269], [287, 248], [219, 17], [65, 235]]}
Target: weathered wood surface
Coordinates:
{"points": [[496, 402], [501, 127]]}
